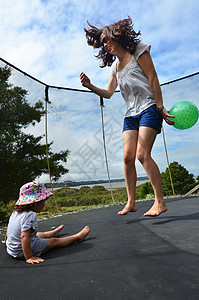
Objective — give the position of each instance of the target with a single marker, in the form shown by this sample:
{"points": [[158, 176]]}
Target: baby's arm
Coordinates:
{"points": [[25, 243], [4, 241]]}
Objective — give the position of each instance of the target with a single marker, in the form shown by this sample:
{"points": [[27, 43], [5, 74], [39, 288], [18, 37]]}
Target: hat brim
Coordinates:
{"points": [[22, 201]]}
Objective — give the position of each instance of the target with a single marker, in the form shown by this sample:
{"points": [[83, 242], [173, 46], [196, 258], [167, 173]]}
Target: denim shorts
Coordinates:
{"points": [[149, 118]]}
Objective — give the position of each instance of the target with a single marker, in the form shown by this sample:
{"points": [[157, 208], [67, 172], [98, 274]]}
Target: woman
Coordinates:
{"points": [[134, 72]]}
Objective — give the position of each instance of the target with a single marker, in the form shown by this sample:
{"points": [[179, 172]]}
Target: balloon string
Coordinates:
{"points": [[168, 162]]}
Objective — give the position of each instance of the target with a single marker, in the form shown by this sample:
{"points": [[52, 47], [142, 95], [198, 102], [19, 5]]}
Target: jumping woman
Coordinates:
{"points": [[133, 70]]}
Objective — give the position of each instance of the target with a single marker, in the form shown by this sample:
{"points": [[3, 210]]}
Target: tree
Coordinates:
{"points": [[22, 156], [182, 180]]}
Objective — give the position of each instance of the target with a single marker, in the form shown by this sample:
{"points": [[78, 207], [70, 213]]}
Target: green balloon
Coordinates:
{"points": [[186, 114]]}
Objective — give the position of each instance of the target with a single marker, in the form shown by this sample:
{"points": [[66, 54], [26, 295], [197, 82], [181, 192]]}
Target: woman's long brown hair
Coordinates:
{"points": [[121, 31]]}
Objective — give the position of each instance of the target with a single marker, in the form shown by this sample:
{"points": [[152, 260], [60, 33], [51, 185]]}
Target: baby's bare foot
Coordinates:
{"points": [[83, 233], [127, 209], [156, 210], [57, 230]]}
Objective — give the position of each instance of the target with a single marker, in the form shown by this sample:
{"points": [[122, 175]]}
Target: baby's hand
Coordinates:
{"points": [[34, 260], [4, 241]]}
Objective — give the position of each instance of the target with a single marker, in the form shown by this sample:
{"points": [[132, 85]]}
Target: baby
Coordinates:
{"points": [[22, 238]]}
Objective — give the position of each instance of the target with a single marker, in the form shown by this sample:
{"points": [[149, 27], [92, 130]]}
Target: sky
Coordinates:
{"points": [[46, 39]]}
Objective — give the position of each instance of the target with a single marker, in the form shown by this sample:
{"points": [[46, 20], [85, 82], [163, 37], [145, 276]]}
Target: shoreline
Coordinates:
{"points": [[114, 185]]}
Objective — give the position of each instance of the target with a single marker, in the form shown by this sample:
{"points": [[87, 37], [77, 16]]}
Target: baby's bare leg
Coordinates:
{"points": [[67, 241], [50, 234]]}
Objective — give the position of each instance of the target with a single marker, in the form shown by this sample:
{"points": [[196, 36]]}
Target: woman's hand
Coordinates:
{"points": [[85, 81], [166, 116], [105, 93], [34, 260]]}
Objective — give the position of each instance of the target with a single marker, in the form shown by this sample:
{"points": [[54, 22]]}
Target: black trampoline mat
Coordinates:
{"points": [[123, 257]]}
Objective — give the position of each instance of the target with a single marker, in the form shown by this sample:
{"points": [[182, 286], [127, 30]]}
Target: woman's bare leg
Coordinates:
{"points": [[50, 234], [146, 140], [66, 241], [129, 151]]}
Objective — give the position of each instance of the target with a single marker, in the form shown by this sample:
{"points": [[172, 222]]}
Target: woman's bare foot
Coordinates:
{"points": [[128, 208], [57, 230], [156, 210], [83, 233]]}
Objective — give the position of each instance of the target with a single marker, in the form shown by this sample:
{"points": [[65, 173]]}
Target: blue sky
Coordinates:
{"points": [[46, 39]]}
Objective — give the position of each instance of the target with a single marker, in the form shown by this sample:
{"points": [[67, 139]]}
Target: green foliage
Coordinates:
{"points": [[5, 212], [22, 156], [85, 196], [120, 195], [183, 181], [146, 189]]}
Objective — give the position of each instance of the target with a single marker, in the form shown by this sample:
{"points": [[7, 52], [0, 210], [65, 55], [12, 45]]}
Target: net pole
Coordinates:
{"points": [[166, 152], [46, 135], [104, 143]]}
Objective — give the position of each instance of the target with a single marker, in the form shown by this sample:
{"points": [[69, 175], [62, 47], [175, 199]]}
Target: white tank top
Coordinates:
{"points": [[134, 84]]}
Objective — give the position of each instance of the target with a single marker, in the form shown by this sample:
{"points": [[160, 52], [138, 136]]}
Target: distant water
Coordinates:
{"points": [[114, 185]]}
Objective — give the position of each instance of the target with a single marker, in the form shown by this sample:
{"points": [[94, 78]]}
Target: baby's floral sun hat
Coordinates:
{"points": [[32, 192]]}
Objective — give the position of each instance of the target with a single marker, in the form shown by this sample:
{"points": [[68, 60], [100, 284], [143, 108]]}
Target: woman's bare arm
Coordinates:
{"points": [[105, 93], [146, 63]]}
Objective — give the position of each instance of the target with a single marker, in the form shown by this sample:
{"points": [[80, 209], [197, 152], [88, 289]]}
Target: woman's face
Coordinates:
{"points": [[110, 45]]}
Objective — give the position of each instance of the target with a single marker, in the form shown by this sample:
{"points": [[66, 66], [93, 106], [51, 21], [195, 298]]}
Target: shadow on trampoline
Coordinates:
{"points": [[76, 248], [188, 217], [167, 219]]}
